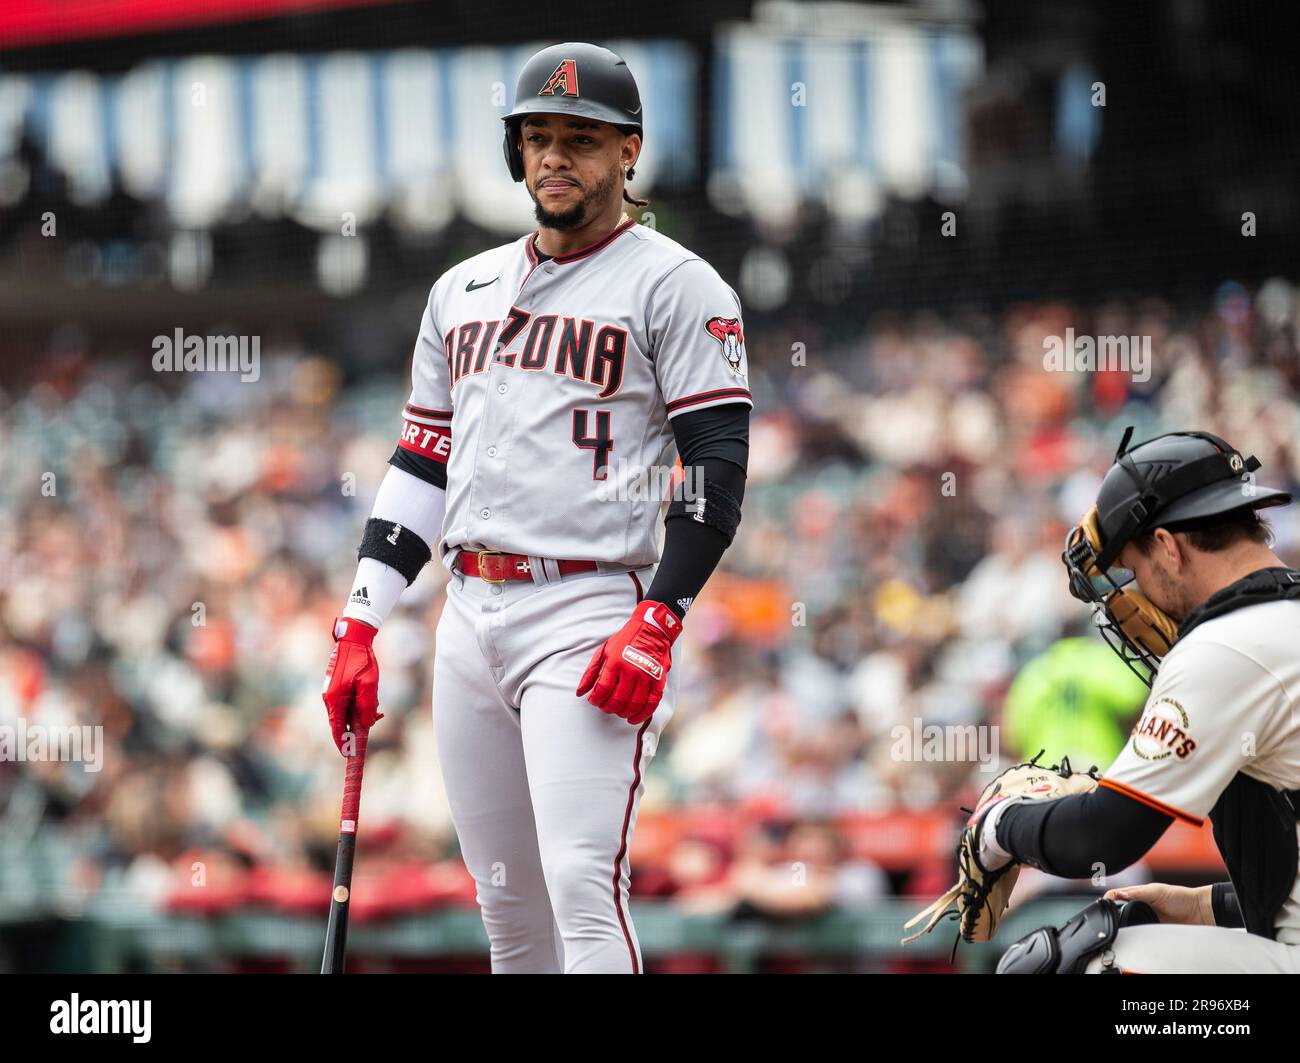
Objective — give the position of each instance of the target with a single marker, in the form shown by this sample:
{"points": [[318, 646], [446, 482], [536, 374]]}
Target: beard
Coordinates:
{"points": [[1170, 594], [578, 214]]}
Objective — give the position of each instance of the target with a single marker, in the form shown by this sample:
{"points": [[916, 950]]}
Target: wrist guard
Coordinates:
{"points": [[394, 546], [715, 506]]}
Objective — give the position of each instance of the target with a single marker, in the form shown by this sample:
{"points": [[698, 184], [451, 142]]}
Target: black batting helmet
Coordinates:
{"points": [[584, 80]]}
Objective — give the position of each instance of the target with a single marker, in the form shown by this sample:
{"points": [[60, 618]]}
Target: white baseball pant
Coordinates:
{"points": [[543, 786]]}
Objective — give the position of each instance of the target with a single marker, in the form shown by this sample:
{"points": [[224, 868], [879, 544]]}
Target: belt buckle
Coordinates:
{"points": [[482, 573]]}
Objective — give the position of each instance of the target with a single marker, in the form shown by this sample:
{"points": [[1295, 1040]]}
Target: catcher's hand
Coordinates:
{"points": [[982, 894]]}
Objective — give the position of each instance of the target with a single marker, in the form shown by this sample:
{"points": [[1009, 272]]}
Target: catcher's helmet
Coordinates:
{"points": [[584, 80], [1175, 481]]}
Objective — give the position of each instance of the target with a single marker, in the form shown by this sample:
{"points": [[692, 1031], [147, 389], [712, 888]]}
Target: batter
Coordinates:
{"points": [[555, 377]]}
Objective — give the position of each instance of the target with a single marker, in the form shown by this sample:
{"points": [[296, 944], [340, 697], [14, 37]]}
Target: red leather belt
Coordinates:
{"points": [[492, 566]]}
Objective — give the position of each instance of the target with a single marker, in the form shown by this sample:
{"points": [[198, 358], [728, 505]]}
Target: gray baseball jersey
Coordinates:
{"points": [[547, 386]]}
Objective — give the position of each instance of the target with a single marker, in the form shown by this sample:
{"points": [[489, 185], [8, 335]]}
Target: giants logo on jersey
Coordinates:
{"points": [[573, 347], [727, 331], [1162, 732]]}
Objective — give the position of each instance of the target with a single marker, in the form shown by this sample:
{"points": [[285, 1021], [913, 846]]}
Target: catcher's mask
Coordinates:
{"points": [[1176, 481]]}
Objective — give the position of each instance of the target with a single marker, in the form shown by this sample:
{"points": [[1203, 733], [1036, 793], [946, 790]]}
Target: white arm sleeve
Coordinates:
{"points": [[417, 506]]}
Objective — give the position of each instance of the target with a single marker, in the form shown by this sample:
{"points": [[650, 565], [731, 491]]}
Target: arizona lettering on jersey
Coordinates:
{"points": [[579, 348], [557, 379]]}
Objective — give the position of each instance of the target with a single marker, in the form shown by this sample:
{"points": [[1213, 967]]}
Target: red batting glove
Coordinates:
{"points": [[351, 691], [626, 675]]}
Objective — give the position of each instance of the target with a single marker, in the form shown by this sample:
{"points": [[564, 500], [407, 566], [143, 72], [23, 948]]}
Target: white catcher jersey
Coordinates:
{"points": [[1223, 701], [547, 387]]}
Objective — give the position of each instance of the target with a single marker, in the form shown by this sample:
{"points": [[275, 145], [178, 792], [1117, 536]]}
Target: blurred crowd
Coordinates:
{"points": [[172, 551]]}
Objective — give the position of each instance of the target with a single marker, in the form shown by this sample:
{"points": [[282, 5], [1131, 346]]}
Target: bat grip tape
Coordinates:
{"points": [[352, 786]]}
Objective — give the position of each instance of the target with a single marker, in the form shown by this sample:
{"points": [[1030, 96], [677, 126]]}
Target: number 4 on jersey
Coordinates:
{"points": [[600, 444]]}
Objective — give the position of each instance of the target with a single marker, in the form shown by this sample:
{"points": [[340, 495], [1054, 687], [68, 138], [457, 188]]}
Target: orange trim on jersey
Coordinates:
{"points": [[1150, 802]]}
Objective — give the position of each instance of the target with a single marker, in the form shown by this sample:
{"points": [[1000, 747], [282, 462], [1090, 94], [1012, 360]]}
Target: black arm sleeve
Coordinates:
{"points": [[1223, 899], [716, 442], [1071, 836], [426, 469], [718, 432]]}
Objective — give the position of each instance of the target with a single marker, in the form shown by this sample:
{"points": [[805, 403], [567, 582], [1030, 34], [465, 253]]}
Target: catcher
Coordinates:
{"points": [[1178, 567]]}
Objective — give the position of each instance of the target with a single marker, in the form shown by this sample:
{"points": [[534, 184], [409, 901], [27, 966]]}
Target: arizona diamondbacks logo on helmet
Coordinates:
{"points": [[726, 330], [563, 80]]}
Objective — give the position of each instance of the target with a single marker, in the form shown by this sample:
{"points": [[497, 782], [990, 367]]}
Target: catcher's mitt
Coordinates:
{"points": [[981, 895]]}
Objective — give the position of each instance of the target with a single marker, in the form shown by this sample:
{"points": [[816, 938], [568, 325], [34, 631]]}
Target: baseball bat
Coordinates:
{"points": [[336, 933]]}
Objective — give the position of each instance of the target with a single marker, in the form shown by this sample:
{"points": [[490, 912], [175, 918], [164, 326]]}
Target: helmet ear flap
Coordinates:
{"points": [[514, 156]]}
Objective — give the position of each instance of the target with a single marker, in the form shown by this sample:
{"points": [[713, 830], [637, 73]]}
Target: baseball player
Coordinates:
{"points": [[553, 377], [1177, 564]]}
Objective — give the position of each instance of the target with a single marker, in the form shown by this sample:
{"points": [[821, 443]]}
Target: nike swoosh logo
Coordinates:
{"points": [[471, 286]]}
